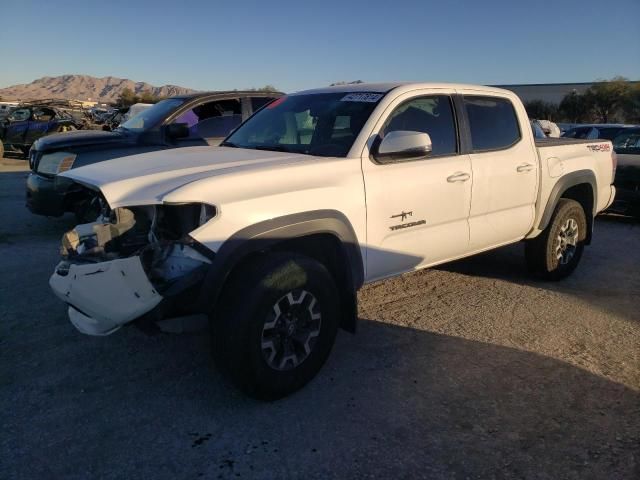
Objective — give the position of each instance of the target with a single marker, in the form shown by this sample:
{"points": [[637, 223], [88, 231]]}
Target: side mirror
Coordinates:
{"points": [[175, 131], [403, 145]]}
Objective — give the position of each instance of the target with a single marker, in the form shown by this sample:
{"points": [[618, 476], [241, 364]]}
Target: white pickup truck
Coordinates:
{"points": [[272, 234]]}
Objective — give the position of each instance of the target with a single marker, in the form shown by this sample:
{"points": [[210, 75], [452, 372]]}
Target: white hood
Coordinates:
{"points": [[146, 178]]}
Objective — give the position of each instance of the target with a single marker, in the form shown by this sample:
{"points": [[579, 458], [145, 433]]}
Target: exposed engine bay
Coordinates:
{"points": [[131, 261]]}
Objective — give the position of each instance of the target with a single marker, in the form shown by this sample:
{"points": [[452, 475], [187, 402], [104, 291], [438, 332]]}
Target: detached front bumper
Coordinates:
{"points": [[104, 296]]}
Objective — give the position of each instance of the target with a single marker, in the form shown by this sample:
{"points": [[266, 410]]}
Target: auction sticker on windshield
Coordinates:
{"points": [[362, 97]]}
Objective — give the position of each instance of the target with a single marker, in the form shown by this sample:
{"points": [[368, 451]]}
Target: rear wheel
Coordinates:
{"points": [[275, 324], [556, 252]]}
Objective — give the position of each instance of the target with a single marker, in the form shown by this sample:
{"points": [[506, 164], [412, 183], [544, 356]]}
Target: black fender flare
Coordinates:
{"points": [[263, 235], [562, 185]]}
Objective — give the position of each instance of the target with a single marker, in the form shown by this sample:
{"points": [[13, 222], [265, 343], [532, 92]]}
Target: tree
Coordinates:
{"points": [[541, 110], [268, 88], [575, 108], [148, 97], [607, 97], [355, 82], [631, 104], [128, 98]]}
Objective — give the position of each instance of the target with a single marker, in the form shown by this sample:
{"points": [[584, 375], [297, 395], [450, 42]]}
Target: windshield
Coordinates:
{"points": [[323, 124], [152, 116]]}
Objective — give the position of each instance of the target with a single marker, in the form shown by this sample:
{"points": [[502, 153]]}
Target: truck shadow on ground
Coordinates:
{"points": [[606, 278], [394, 401]]}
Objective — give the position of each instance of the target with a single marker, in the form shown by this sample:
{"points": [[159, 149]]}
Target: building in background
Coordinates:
{"points": [[549, 92]]}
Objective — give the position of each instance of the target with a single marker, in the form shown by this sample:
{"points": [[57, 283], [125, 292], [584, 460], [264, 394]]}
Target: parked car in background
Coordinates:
{"points": [[6, 107], [272, 233], [26, 124], [550, 129], [135, 109], [595, 131], [181, 121], [538, 132], [627, 147]]}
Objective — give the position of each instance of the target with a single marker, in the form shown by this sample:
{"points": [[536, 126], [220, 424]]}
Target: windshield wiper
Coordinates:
{"points": [[272, 148], [229, 144]]}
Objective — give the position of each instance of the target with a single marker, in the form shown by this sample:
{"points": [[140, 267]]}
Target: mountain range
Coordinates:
{"points": [[84, 87]]}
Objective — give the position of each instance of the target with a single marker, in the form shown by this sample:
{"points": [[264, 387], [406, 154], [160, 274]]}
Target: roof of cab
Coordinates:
{"points": [[230, 94], [388, 86]]}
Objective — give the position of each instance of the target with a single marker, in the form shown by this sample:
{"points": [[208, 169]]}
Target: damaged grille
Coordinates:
{"points": [[157, 234]]}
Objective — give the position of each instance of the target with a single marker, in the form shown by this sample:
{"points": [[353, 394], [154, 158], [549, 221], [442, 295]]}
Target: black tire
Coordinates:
{"points": [[25, 151], [542, 253], [247, 308]]}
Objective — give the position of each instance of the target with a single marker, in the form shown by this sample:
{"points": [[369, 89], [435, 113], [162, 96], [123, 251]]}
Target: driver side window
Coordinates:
{"points": [[429, 114], [212, 119], [43, 115]]}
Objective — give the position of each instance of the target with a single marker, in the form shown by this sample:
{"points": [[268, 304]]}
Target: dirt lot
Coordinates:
{"points": [[471, 370]]}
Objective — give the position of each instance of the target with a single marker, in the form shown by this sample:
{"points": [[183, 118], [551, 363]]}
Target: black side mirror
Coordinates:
{"points": [[175, 131]]}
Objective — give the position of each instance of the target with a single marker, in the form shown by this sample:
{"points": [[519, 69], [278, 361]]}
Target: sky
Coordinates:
{"points": [[220, 45]]}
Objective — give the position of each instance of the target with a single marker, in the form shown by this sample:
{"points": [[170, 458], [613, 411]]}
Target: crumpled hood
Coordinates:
{"points": [[146, 178]]}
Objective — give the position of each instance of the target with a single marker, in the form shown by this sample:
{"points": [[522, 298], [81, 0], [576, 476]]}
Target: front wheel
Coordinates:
{"points": [[276, 324], [556, 252]]}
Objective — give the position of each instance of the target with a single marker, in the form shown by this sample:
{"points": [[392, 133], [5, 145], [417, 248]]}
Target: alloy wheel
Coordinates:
{"points": [[291, 329], [567, 241]]}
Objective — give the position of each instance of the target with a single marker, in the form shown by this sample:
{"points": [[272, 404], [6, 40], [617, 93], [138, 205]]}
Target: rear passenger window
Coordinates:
{"points": [[432, 115], [493, 123]]}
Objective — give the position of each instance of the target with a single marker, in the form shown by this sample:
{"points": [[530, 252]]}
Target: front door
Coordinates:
{"points": [[18, 126], [417, 210], [39, 124]]}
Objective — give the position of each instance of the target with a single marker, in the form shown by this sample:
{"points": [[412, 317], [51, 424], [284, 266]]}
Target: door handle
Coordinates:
{"points": [[525, 167], [458, 177]]}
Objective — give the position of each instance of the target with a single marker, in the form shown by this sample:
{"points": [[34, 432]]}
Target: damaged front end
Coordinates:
{"points": [[132, 263]]}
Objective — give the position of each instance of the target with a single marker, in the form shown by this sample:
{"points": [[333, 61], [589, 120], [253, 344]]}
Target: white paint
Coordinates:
{"points": [[109, 293], [460, 204]]}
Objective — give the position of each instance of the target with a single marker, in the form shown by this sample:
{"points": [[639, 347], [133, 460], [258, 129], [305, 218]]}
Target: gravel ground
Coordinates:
{"points": [[470, 370]]}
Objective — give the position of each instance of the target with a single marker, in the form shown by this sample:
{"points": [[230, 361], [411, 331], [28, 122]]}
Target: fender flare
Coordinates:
{"points": [[562, 185], [263, 235]]}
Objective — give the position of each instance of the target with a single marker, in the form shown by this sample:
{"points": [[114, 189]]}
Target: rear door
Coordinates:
{"points": [[417, 210], [505, 171]]}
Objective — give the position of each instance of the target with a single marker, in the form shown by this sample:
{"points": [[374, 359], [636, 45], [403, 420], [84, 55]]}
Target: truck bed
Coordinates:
{"points": [[555, 142]]}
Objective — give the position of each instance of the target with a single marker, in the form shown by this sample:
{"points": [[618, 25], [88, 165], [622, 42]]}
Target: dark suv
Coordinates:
{"points": [[27, 123], [182, 121]]}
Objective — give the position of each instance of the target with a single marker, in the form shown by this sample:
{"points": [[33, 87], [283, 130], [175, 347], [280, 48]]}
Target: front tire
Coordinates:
{"points": [[275, 324], [556, 252]]}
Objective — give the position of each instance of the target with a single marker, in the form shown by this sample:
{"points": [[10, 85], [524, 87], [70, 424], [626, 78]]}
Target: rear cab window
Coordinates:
{"points": [[493, 123]]}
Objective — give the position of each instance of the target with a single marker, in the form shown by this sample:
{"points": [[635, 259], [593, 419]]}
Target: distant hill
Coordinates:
{"points": [[84, 87]]}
